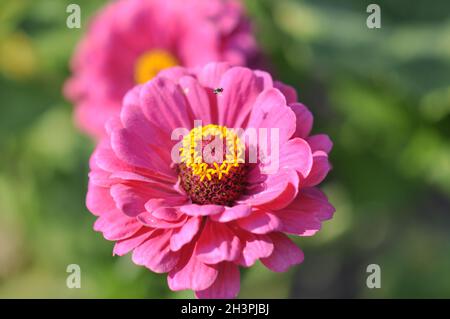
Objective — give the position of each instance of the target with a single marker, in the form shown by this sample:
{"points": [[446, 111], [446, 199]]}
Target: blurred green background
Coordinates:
{"points": [[383, 95]]}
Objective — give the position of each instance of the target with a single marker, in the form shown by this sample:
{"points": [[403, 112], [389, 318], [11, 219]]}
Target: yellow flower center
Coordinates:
{"points": [[229, 155], [151, 62]]}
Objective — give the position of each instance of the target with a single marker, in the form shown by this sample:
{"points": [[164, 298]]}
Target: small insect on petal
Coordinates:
{"points": [[218, 91]]}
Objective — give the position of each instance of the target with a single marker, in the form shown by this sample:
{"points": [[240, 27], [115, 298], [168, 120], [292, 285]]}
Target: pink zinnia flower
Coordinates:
{"points": [[197, 228], [130, 41]]}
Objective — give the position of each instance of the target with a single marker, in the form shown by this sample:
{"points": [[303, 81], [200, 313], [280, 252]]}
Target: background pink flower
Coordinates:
{"points": [[129, 41], [173, 222]]}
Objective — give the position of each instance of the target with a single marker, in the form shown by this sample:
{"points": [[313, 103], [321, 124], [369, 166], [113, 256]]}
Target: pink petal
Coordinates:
{"points": [[255, 176], [155, 253], [304, 120], [217, 243], [166, 213], [201, 210], [296, 154], [124, 246], [185, 233], [115, 225], [288, 91], [197, 99], [306, 213], [132, 197], [314, 200], [189, 43], [270, 111], [134, 120], [211, 74], [167, 202], [320, 169], [126, 176], [320, 142], [105, 158], [232, 213], [285, 254], [130, 148], [113, 124], [161, 98], [174, 73], [276, 192], [265, 77], [100, 178], [226, 285], [260, 222], [240, 89], [254, 248], [131, 98], [98, 200], [191, 273], [162, 209], [315, 193], [130, 200], [150, 220]]}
